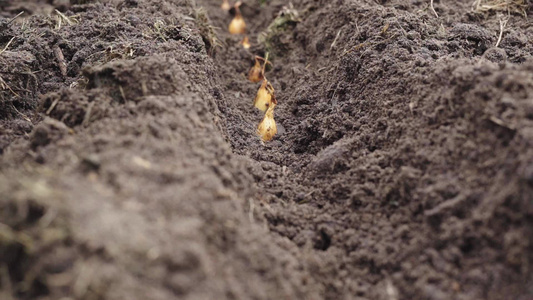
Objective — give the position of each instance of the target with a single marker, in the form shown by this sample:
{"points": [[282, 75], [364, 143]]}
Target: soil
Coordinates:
{"points": [[130, 166]]}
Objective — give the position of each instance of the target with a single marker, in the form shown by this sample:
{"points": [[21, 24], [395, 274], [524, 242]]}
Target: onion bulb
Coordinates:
{"points": [[237, 25], [246, 42], [225, 5], [256, 72], [263, 99], [267, 128]]}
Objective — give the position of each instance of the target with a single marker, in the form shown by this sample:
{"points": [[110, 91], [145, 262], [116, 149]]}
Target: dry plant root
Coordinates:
{"points": [[237, 25]]}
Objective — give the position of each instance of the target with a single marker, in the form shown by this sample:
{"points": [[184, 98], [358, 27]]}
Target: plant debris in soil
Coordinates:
{"points": [[131, 168]]}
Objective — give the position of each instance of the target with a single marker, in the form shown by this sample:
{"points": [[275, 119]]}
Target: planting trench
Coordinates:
{"points": [[402, 168]]}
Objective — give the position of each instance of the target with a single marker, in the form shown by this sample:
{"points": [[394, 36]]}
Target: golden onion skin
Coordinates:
{"points": [[267, 128], [255, 74], [263, 99], [225, 5], [237, 25]]}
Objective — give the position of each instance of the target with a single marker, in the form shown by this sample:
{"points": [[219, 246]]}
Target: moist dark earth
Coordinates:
{"points": [[130, 166]]}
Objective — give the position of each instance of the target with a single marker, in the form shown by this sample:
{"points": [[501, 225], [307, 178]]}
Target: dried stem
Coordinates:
{"points": [[264, 64], [9, 43], [14, 18], [503, 23], [237, 9], [21, 114], [257, 57], [335, 40], [5, 86], [433, 8]]}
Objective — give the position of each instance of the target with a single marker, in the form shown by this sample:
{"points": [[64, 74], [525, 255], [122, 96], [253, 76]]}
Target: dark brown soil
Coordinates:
{"points": [[130, 167]]}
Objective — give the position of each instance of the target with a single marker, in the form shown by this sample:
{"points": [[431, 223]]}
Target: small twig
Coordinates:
{"points": [[68, 20], [21, 114], [52, 106], [260, 58], [433, 8], [14, 18], [60, 60], [9, 43], [503, 23], [501, 123], [335, 40], [264, 64], [122, 93], [5, 86]]}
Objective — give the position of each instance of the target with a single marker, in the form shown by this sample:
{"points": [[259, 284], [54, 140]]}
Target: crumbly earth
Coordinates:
{"points": [[130, 167]]}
